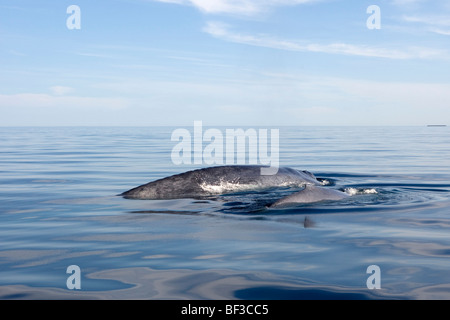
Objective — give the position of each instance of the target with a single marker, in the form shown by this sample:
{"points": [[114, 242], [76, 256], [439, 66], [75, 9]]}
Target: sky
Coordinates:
{"points": [[224, 62]]}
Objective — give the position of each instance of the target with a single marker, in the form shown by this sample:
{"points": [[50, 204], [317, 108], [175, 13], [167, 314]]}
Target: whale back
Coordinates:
{"points": [[310, 194], [219, 180]]}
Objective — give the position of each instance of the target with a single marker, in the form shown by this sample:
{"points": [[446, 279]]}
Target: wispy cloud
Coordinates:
{"points": [[222, 31], [96, 55], [30, 109], [42, 100], [441, 31], [17, 53], [406, 2], [436, 23], [241, 7]]}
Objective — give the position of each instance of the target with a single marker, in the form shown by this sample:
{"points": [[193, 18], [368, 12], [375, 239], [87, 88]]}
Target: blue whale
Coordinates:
{"points": [[229, 179], [219, 180]]}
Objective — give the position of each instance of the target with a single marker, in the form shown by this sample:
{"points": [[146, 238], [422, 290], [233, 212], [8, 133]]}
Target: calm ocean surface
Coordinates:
{"points": [[59, 207]]}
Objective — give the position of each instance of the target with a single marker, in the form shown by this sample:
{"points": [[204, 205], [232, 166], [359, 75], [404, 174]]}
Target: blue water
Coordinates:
{"points": [[59, 207]]}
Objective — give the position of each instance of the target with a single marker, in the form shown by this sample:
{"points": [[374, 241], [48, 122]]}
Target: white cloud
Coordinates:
{"points": [[60, 90], [242, 7], [222, 31]]}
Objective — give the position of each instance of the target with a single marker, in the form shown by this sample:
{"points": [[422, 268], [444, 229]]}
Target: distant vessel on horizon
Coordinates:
{"points": [[436, 125]]}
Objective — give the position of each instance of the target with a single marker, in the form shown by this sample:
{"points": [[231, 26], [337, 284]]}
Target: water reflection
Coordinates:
{"points": [[147, 283]]}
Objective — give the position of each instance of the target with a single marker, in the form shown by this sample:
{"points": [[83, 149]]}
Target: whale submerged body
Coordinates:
{"points": [[228, 179], [219, 180]]}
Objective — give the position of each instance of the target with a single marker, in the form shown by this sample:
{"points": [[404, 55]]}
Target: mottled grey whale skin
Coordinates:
{"points": [[310, 194], [219, 180]]}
